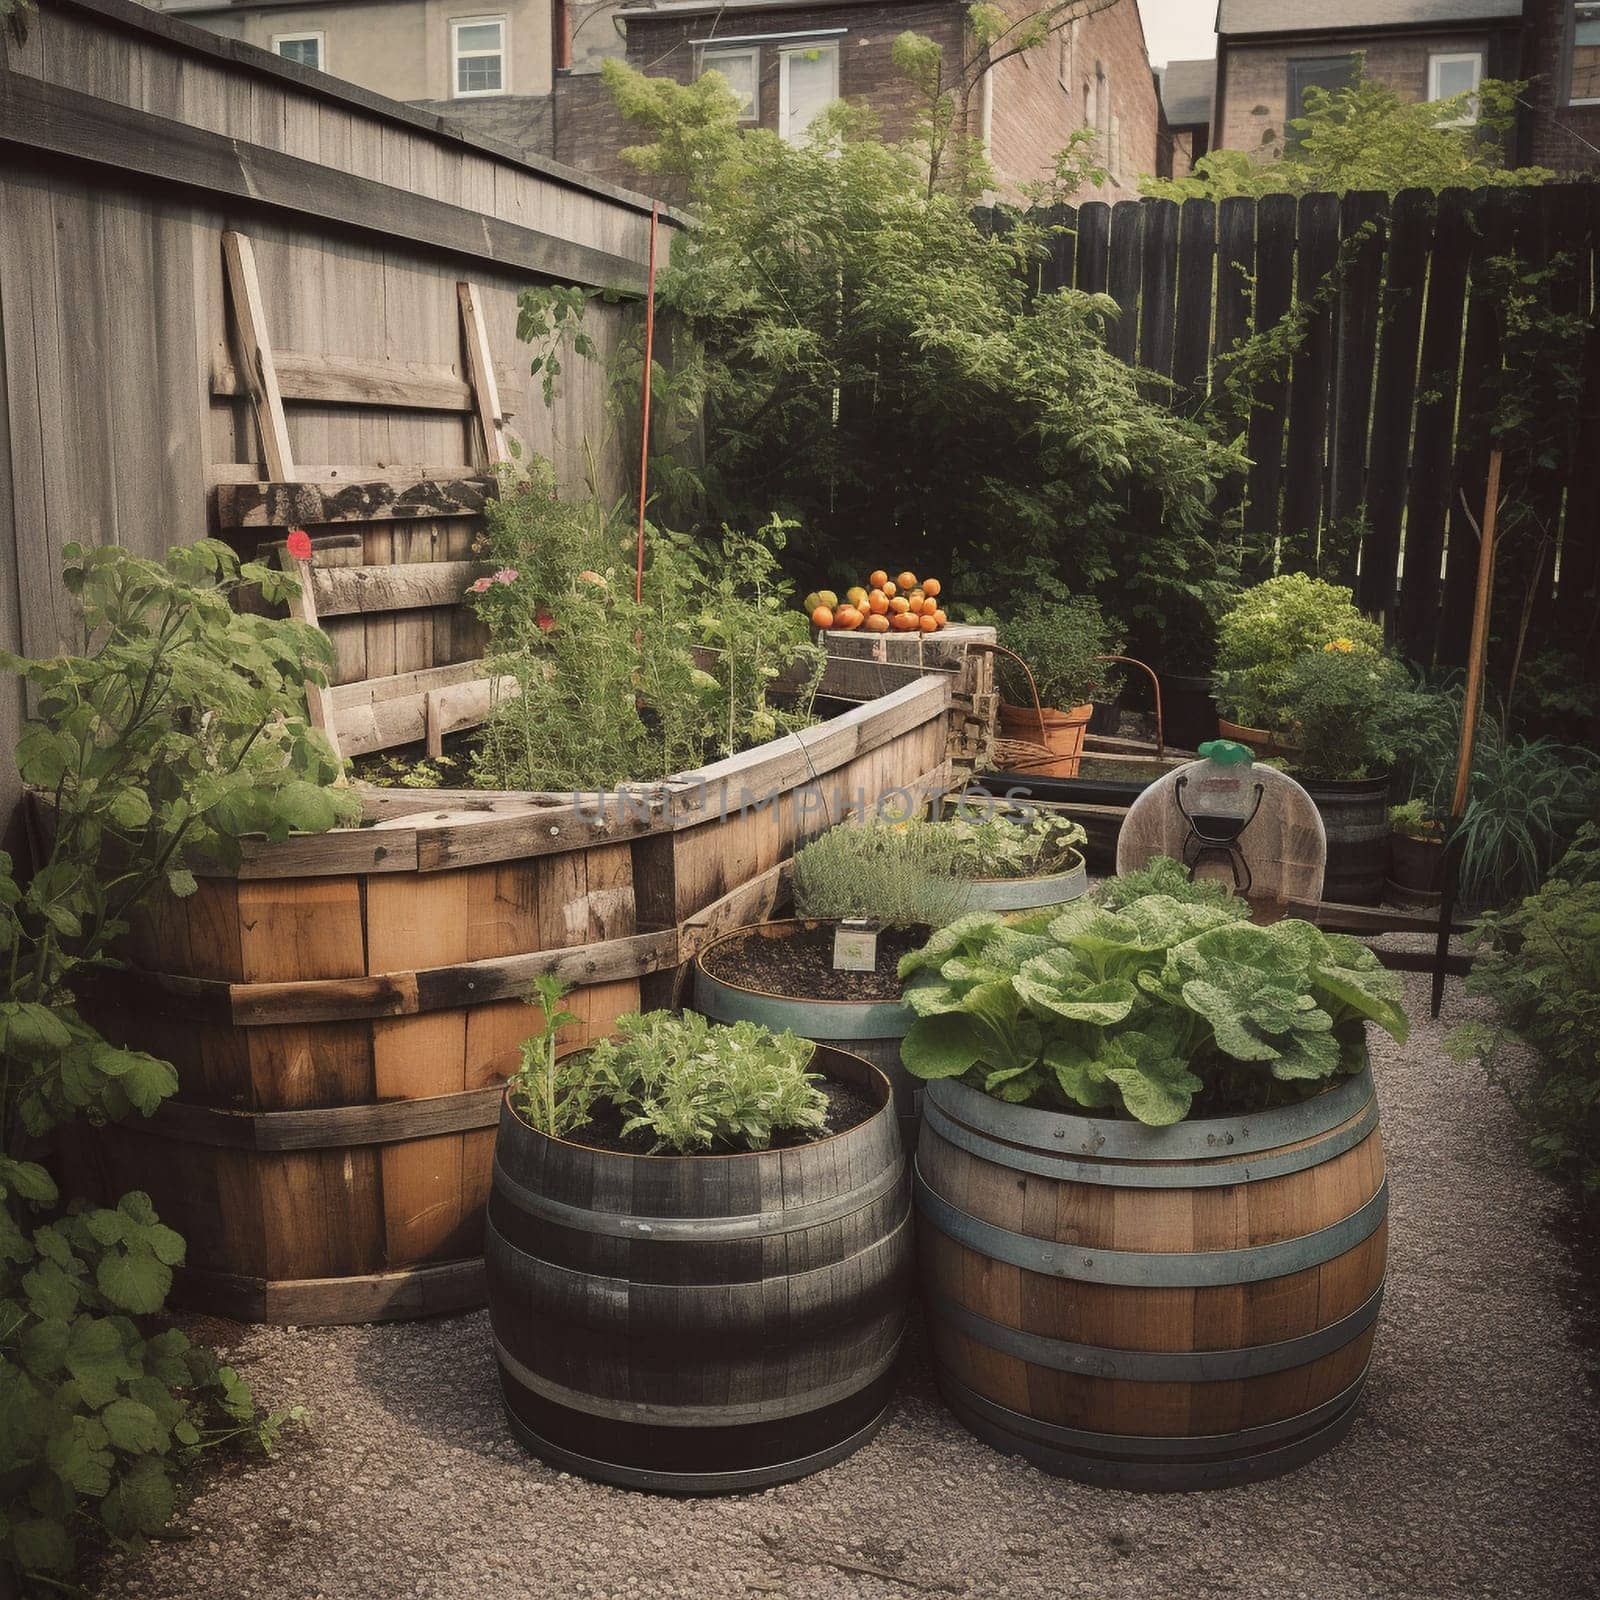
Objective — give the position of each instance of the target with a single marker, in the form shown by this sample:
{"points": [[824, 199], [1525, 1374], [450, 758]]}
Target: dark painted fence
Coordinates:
{"points": [[1367, 439]]}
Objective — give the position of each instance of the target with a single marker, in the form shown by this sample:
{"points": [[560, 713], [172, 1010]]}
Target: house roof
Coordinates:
{"points": [[1294, 16], [1187, 90]]}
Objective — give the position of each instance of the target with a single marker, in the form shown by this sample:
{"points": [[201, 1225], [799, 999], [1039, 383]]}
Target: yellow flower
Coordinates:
{"points": [[1343, 646]]}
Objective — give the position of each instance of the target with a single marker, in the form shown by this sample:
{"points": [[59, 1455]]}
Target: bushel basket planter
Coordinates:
{"points": [[1164, 1308], [705, 1323]]}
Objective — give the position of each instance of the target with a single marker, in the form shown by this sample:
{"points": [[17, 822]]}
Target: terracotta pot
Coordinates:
{"points": [[1261, 740], [1062, 734]]}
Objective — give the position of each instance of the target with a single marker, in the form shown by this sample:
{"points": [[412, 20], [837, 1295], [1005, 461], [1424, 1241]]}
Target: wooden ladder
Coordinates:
{"points": [[340, 584]]}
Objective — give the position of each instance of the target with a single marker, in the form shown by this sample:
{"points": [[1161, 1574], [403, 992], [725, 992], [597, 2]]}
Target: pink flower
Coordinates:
{"points": [[506, 575], [481, 586], [299, 544]]}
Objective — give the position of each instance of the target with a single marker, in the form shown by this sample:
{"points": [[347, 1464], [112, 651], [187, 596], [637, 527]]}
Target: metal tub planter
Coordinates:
{"points": [[872, 1029]]}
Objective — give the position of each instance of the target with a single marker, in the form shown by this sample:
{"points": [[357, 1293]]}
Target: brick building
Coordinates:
{"points": [[1561, 58], [526, 72], [1188, 90], [789, 58], [1269, 52]]}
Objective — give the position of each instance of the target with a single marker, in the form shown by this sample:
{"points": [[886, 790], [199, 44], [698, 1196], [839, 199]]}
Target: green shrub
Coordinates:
{"points": [[181, 726], [882, 367], [1346, 713], [1061, 641], [1540, 965], [693, 1084], [1269, 629], [1147, 1010]]}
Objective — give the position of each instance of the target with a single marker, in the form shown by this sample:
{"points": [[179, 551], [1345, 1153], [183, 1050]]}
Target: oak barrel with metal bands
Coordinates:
{"points": [[869, 1028], [701, 1324], [1153, 1308]]}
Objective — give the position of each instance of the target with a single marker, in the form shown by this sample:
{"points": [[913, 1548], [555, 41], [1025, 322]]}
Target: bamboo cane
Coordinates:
{"points": [[644, 403], [1469, 721]]}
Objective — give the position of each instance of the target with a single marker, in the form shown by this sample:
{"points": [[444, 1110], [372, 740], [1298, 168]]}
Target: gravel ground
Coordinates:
{"points": [[1472, 1471]]}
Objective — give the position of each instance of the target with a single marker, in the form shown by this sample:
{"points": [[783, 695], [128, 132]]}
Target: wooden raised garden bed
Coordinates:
{"points": [[343, 1009]]}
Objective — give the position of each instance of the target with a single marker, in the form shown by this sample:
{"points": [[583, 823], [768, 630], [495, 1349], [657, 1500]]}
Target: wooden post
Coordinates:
{"points": [[254, 359], [480, 375], [303, 608], [1469, 720]]}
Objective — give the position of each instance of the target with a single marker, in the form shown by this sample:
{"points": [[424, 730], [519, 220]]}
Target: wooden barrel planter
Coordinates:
{"points": [[869, 1028], [1355, 814], [343, 1008], [1153, 1308], [700, 1324], [1416, 870]]}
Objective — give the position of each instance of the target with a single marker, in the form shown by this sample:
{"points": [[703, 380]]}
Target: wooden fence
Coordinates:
{"points": [[1363, 444], [183, 218]]}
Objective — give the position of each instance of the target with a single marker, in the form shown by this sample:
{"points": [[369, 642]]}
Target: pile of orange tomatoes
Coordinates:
{"points": [[903, 604]]}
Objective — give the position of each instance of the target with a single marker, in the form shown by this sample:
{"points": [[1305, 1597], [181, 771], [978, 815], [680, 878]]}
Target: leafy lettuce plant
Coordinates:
{"points": [[692, 1084], [1146, 1009]]}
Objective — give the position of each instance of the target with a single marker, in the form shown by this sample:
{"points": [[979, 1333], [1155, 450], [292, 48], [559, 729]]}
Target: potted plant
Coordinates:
{"points": [[865, 894], [1184, 651], [1062, 641], [698, 1252], [1263, 634], [1343, 716], [1416, 854], [1134, 1115], [1005, 862]]}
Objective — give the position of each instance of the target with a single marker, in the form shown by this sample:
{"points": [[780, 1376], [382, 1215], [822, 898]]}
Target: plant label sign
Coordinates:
{"points": [[855, 947]]}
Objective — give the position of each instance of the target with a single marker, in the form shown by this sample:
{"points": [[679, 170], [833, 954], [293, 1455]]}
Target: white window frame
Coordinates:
{"points": [[300, 38], [711, 54], [832, 47], [1573, 15], [456, 56], [1453, 58]]}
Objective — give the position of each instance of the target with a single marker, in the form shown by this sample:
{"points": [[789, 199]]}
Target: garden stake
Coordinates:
{"points": [[644, 407], [1469, 723]]}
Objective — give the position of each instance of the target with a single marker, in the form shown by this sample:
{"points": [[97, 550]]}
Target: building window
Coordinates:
{"points": [[478, 56], [1064, 42], [305, 48], [1456, 73], [1332, 73], [808, 80], [1114, 147], [1583, 83], [742, 69]]}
